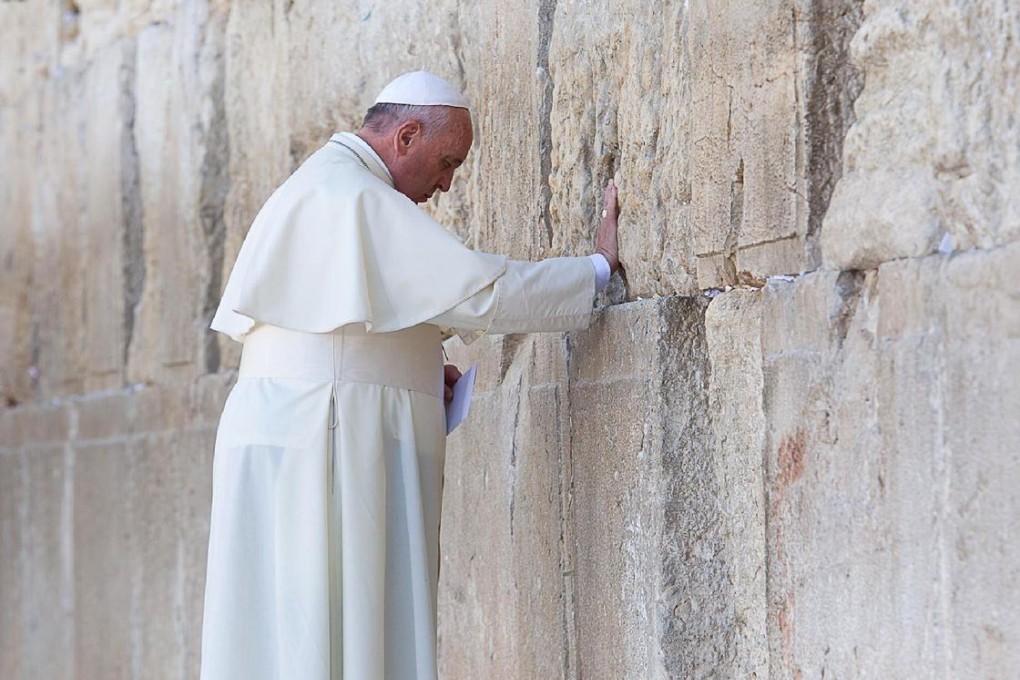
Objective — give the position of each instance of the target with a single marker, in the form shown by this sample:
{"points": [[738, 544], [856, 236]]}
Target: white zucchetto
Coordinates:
{"points": [[421, 88]]}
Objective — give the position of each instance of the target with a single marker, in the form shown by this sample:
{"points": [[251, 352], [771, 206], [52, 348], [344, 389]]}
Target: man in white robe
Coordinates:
{"points": [[328, 469]]}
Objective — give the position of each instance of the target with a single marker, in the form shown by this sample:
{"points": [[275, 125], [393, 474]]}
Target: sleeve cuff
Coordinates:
{"points": [[602, 271]]}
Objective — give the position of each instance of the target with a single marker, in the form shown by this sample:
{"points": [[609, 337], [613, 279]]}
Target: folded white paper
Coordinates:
{"points": [[457, 409]]}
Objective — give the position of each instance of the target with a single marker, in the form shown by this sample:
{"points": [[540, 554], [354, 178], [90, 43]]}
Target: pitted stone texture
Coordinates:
{"points": [[651, 599], [771, 108], [619, 563], [934, 150], [502, 592], [884, 439], [621, 107], [736, 388]]}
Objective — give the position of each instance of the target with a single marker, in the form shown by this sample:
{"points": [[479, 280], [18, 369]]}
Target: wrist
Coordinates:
{"points": [[611, 258]]}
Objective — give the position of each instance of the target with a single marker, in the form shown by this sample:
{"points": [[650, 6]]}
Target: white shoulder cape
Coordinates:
{"points": [[337, 244]]}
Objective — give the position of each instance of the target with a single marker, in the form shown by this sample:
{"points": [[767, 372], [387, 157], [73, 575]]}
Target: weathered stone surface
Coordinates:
{"points": [[603, 557], [649, 592], [768, 129], [774, 483], [980, 431], [735, 393], [934, 149], [16, 257], [47, 560], [102, 577], [56, 225], [871, 418], [502, 584], [112, 216], [182, 155]]}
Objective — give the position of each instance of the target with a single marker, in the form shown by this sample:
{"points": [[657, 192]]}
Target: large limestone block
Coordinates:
{"points": [[104, 615], [771, 105], [746, 111], [661, 538], [182, 149], [47, 577], [500, 201], [980, 422], [56, 224], [17, 255], [621, 107], [142, 493], [651, 599], [934, 149], [736, 389], [502, 590], [890, 465], [112, 223], [830, 577]]}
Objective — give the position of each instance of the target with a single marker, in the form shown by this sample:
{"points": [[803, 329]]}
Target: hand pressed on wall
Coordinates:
{"points": [[607, 241]]}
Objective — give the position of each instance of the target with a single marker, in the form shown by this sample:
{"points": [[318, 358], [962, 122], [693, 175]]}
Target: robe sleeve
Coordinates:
{"points": [[555, 294]]}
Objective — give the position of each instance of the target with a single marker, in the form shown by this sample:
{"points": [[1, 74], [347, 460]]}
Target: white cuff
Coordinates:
{"points": [[602, 271]]}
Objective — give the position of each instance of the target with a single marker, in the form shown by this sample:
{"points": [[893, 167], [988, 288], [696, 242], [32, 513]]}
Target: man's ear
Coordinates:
{"points": [[407, 133]]}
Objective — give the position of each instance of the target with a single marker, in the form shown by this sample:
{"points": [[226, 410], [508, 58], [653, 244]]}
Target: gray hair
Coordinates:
{"points": [[383, 117]]}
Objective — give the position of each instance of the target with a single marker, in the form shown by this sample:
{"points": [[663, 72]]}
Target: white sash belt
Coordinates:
{"points": [[411, 358]]}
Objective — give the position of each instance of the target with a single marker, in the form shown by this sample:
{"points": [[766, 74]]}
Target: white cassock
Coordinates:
{"points": [[328, 469]]}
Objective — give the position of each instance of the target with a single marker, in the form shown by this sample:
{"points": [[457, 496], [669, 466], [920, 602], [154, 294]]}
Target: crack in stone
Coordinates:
{"points": [[131, 197], [546, 17], [215, 183], [833, 85]]}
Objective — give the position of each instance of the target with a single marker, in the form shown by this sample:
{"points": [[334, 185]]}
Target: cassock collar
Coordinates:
{"points": [[365, 152]]}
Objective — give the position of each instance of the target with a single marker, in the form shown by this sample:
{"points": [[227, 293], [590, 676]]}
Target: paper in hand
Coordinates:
{"points": [[457, 409]]}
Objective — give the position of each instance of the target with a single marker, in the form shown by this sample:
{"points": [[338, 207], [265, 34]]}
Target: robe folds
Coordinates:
{"points": [[328, 469]]}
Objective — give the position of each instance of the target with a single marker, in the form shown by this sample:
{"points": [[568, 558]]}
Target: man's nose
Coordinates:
{"points": [[445, 182]]}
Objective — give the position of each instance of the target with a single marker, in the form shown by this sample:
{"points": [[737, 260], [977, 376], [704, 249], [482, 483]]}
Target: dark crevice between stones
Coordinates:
{"points": [[510, 346], [546, 17], [695, 601], [131, 196], [730, 276], [832, 87], [849, 287], [512, 468], [215, 183]]}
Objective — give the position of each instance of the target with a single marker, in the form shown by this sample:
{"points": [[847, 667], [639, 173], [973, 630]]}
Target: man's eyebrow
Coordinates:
{"points": [[455, 161]]}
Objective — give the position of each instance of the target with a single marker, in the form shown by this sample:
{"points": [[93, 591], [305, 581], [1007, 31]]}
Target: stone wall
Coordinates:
{"points": [[788, 446]]}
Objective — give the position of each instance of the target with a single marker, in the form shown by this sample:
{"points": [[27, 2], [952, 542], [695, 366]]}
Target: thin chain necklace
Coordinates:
{"points": [[356, 154]]}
